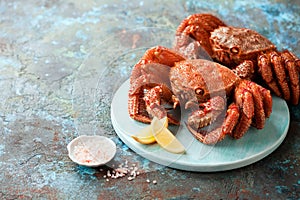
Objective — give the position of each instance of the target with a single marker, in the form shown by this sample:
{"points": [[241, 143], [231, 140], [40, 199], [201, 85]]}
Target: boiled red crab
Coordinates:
{"points": [[232, 46], [164, 79]]}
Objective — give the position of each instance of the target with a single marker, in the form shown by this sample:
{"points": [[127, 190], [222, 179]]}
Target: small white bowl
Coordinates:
{"points": [[91, 151]]}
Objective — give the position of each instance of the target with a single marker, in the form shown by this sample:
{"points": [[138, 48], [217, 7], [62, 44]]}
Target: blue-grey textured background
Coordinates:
{"points": [[43, 45]]}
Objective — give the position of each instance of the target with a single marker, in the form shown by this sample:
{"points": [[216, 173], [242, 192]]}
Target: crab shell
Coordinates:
{"points": [[233, 45], [199, 80]]}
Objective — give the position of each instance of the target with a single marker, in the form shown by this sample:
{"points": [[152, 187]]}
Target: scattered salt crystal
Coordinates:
{"points": [[133, 173], [123, 170], [108, 173]]}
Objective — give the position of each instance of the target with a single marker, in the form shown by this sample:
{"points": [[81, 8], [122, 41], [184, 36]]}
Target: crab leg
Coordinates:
{"points": [[245, 70], [280, 74], [231, 119], [267, 100], [266, 73], [259, 118], [244, 100], [137, 107], [291, 66]]}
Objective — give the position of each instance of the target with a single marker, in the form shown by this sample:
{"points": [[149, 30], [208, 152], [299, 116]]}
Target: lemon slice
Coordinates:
{"points": [[145, 135], [165, 138]]}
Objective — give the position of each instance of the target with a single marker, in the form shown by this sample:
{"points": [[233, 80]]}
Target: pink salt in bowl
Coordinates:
{"points": [[91, 151]]}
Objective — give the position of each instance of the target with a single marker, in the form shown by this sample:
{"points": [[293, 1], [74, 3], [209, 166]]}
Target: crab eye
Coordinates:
{"points": [[199, 91], [234, 50]]}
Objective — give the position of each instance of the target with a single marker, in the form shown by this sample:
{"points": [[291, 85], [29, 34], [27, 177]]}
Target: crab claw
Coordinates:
{"points": [[149, 93], [155, 99], [194, 33], [206, 115]]}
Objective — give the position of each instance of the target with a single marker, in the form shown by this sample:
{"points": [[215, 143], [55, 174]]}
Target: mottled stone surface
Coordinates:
{"points": [[61, 61]]}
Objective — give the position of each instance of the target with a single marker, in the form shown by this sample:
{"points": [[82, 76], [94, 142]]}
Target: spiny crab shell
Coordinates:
{"points": [[233, 45], [199, 80]]}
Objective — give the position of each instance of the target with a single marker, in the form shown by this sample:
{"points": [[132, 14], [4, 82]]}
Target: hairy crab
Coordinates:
{"points": [[232, 46], [163, 79]]}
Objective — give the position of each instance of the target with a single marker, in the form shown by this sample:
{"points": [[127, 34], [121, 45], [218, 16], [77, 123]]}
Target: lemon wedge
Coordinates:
{"points": [[145, 136], [165, 138]]}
